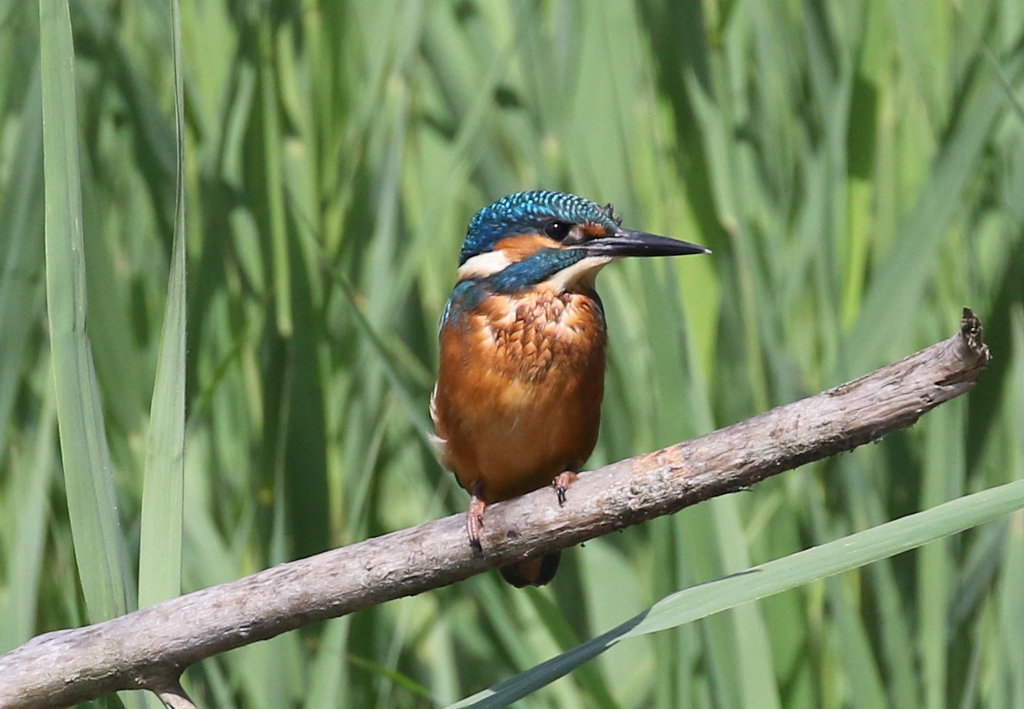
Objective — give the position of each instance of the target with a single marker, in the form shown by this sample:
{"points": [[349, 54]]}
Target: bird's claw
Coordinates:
{"points": [[475, 521], [561, 483]]}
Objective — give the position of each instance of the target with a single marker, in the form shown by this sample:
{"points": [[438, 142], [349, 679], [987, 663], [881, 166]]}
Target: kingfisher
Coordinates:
{"points": [[517, 403]]}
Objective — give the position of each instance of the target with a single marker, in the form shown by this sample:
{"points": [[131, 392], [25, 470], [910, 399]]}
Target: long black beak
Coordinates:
{"points": [[626, 242]]}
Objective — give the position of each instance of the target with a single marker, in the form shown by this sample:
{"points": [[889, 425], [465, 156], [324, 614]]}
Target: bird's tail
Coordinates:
{"points": [[532, 572]]}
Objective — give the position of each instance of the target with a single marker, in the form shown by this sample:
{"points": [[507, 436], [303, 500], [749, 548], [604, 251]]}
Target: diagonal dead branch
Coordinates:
{"points": [[143, 649], [174, 697]]}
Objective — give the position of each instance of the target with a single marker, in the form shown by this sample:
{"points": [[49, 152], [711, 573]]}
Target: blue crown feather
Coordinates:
{"points": [[527, 212]]}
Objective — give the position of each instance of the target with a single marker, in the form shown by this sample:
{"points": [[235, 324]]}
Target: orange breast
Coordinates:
{"points": [[518, 396]]}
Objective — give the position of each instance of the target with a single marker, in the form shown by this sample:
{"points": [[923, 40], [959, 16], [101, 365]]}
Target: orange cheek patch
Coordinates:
{"points": [[522, 246], [592, 231]]}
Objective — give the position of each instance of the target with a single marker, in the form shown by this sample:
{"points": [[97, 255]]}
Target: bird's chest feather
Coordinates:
{"points": [[519, 392]]}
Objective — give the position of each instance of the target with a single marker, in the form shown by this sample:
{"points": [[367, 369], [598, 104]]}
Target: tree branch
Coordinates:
{"points": [[148, 649]]}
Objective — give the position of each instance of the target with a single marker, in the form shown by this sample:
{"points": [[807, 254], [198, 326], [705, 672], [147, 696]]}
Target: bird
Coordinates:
{"points": [[522, 341]]}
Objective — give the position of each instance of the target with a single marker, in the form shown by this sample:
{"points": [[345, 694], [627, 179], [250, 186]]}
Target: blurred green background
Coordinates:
{"points": [[857, 166]]}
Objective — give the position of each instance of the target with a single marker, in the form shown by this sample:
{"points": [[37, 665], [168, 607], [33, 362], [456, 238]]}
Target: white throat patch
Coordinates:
{"points": [[582, 272]]}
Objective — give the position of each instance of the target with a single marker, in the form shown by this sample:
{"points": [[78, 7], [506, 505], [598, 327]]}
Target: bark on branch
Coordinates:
{"points": [[148, 649]]}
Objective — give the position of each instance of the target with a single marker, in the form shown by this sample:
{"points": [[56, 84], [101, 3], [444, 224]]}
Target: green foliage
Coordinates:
{"points": [[857, 167]]}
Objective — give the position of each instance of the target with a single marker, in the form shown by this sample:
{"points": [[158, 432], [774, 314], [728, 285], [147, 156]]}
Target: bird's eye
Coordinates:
{"points": [[557, 230]]}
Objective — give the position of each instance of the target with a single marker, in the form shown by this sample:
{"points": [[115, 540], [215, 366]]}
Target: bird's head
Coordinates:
{"points": [[542, 237]]}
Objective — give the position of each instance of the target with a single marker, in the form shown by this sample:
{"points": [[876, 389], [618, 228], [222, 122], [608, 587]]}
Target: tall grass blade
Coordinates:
{"points": [[21, 254], [272, 137], [28, 517], [88, 475], [162, 498]]}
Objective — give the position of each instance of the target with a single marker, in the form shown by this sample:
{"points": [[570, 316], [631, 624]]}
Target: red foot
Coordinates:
{"points": [[561, 483], [475, 518]]}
